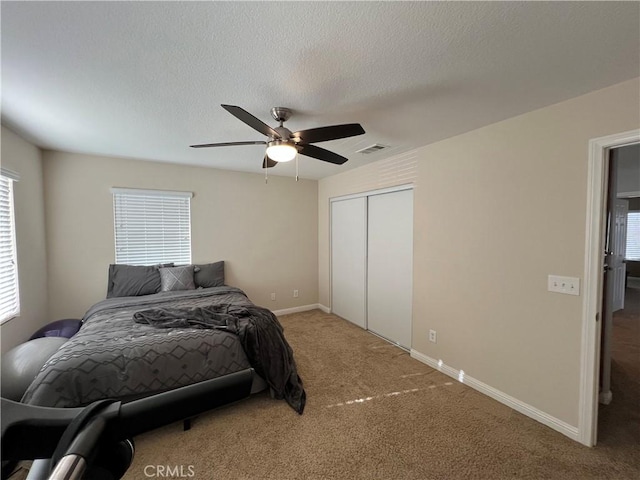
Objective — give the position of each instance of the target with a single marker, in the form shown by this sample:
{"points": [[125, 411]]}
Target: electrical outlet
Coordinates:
{"points": [[432, 336], [273, 296], [566, 285], [295, 294]]}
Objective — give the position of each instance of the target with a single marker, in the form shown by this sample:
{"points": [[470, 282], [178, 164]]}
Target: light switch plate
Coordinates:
{"points": [[566, 285]]}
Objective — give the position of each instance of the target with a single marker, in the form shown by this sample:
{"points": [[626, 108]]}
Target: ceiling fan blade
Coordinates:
{"points": [[227, 144], [324, 134], [321, 154], [252, 121], [268, 163]]}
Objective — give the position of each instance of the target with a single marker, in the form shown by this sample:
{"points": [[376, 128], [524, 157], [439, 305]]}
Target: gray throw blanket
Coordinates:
{"points": [[261, 336]]}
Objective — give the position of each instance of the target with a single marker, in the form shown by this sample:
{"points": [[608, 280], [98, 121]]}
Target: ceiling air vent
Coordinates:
{"points": [[376, 147]]}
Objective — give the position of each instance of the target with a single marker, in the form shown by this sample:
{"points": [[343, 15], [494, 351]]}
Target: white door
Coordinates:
{"points": [[348, 259], [618, 248], [390, 266], [615, 271]]}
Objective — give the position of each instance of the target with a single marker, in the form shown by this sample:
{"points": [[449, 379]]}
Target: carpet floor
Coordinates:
{"points": [[373, 412]]}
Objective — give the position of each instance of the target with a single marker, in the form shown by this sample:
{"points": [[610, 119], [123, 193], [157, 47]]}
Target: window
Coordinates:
{"points": [[9, 295], [152, 226], [633, 236]]}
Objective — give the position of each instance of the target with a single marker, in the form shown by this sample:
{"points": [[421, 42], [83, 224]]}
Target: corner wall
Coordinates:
{"points": [[497, 210], [25, 159], [265, 233]]}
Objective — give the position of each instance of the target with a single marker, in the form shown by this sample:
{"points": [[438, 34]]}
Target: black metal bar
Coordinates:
{"points": [[162, 409], [30, 432]]}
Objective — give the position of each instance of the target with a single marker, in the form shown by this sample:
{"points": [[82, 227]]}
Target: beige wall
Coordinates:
{"points": [[266, 233], [496, 211], [23, 158]]}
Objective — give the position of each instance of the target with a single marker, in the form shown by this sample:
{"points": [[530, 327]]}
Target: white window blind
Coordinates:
{"points": [[9, 295], [633, 236], [152, 226]]}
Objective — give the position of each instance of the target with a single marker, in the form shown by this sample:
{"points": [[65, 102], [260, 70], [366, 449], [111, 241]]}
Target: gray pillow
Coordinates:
{"points": [[133, 280], [210, 275], [177, 278]]}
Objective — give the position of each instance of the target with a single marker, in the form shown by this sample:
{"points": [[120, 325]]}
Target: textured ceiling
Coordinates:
{"points": [[146, 79]]}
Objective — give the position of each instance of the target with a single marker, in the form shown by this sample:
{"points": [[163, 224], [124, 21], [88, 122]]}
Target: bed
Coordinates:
{"points": [[112, 356]]}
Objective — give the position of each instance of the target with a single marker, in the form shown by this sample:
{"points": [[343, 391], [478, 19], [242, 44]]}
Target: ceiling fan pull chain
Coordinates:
{"points": [[296, 167], [266, 175]]}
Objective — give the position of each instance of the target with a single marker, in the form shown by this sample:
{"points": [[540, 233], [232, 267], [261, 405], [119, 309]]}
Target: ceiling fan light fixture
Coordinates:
{"points": [[281, 151]]}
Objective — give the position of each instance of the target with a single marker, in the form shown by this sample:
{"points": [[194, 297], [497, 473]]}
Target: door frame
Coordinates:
{"points": [[597, 181]]}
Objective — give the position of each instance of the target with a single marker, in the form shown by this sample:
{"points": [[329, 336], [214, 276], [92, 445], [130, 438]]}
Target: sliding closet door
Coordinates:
{"points": [[348, 259], [390, 266]]}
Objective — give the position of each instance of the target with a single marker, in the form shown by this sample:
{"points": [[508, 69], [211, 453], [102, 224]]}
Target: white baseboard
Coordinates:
{"points": [[302, 308], [524, 408], [323, 308]]}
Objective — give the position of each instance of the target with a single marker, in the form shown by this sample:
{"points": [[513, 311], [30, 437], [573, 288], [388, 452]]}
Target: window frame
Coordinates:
{"points": [[11, 178], [636, 223], [155, 208]]}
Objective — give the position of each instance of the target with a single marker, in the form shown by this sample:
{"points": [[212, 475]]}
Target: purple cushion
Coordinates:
{"points": [[60, 328]]}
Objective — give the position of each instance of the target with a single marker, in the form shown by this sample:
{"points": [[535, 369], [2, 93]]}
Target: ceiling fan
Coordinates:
{"points": [[283, 144]]}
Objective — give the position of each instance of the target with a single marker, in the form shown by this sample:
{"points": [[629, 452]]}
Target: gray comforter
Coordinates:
{"points": [[114, 357], [259, 331]]}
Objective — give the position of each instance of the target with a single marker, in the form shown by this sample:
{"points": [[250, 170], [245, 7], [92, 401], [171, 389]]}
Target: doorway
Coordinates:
{"points": [[596, 257], [619, 396]]}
